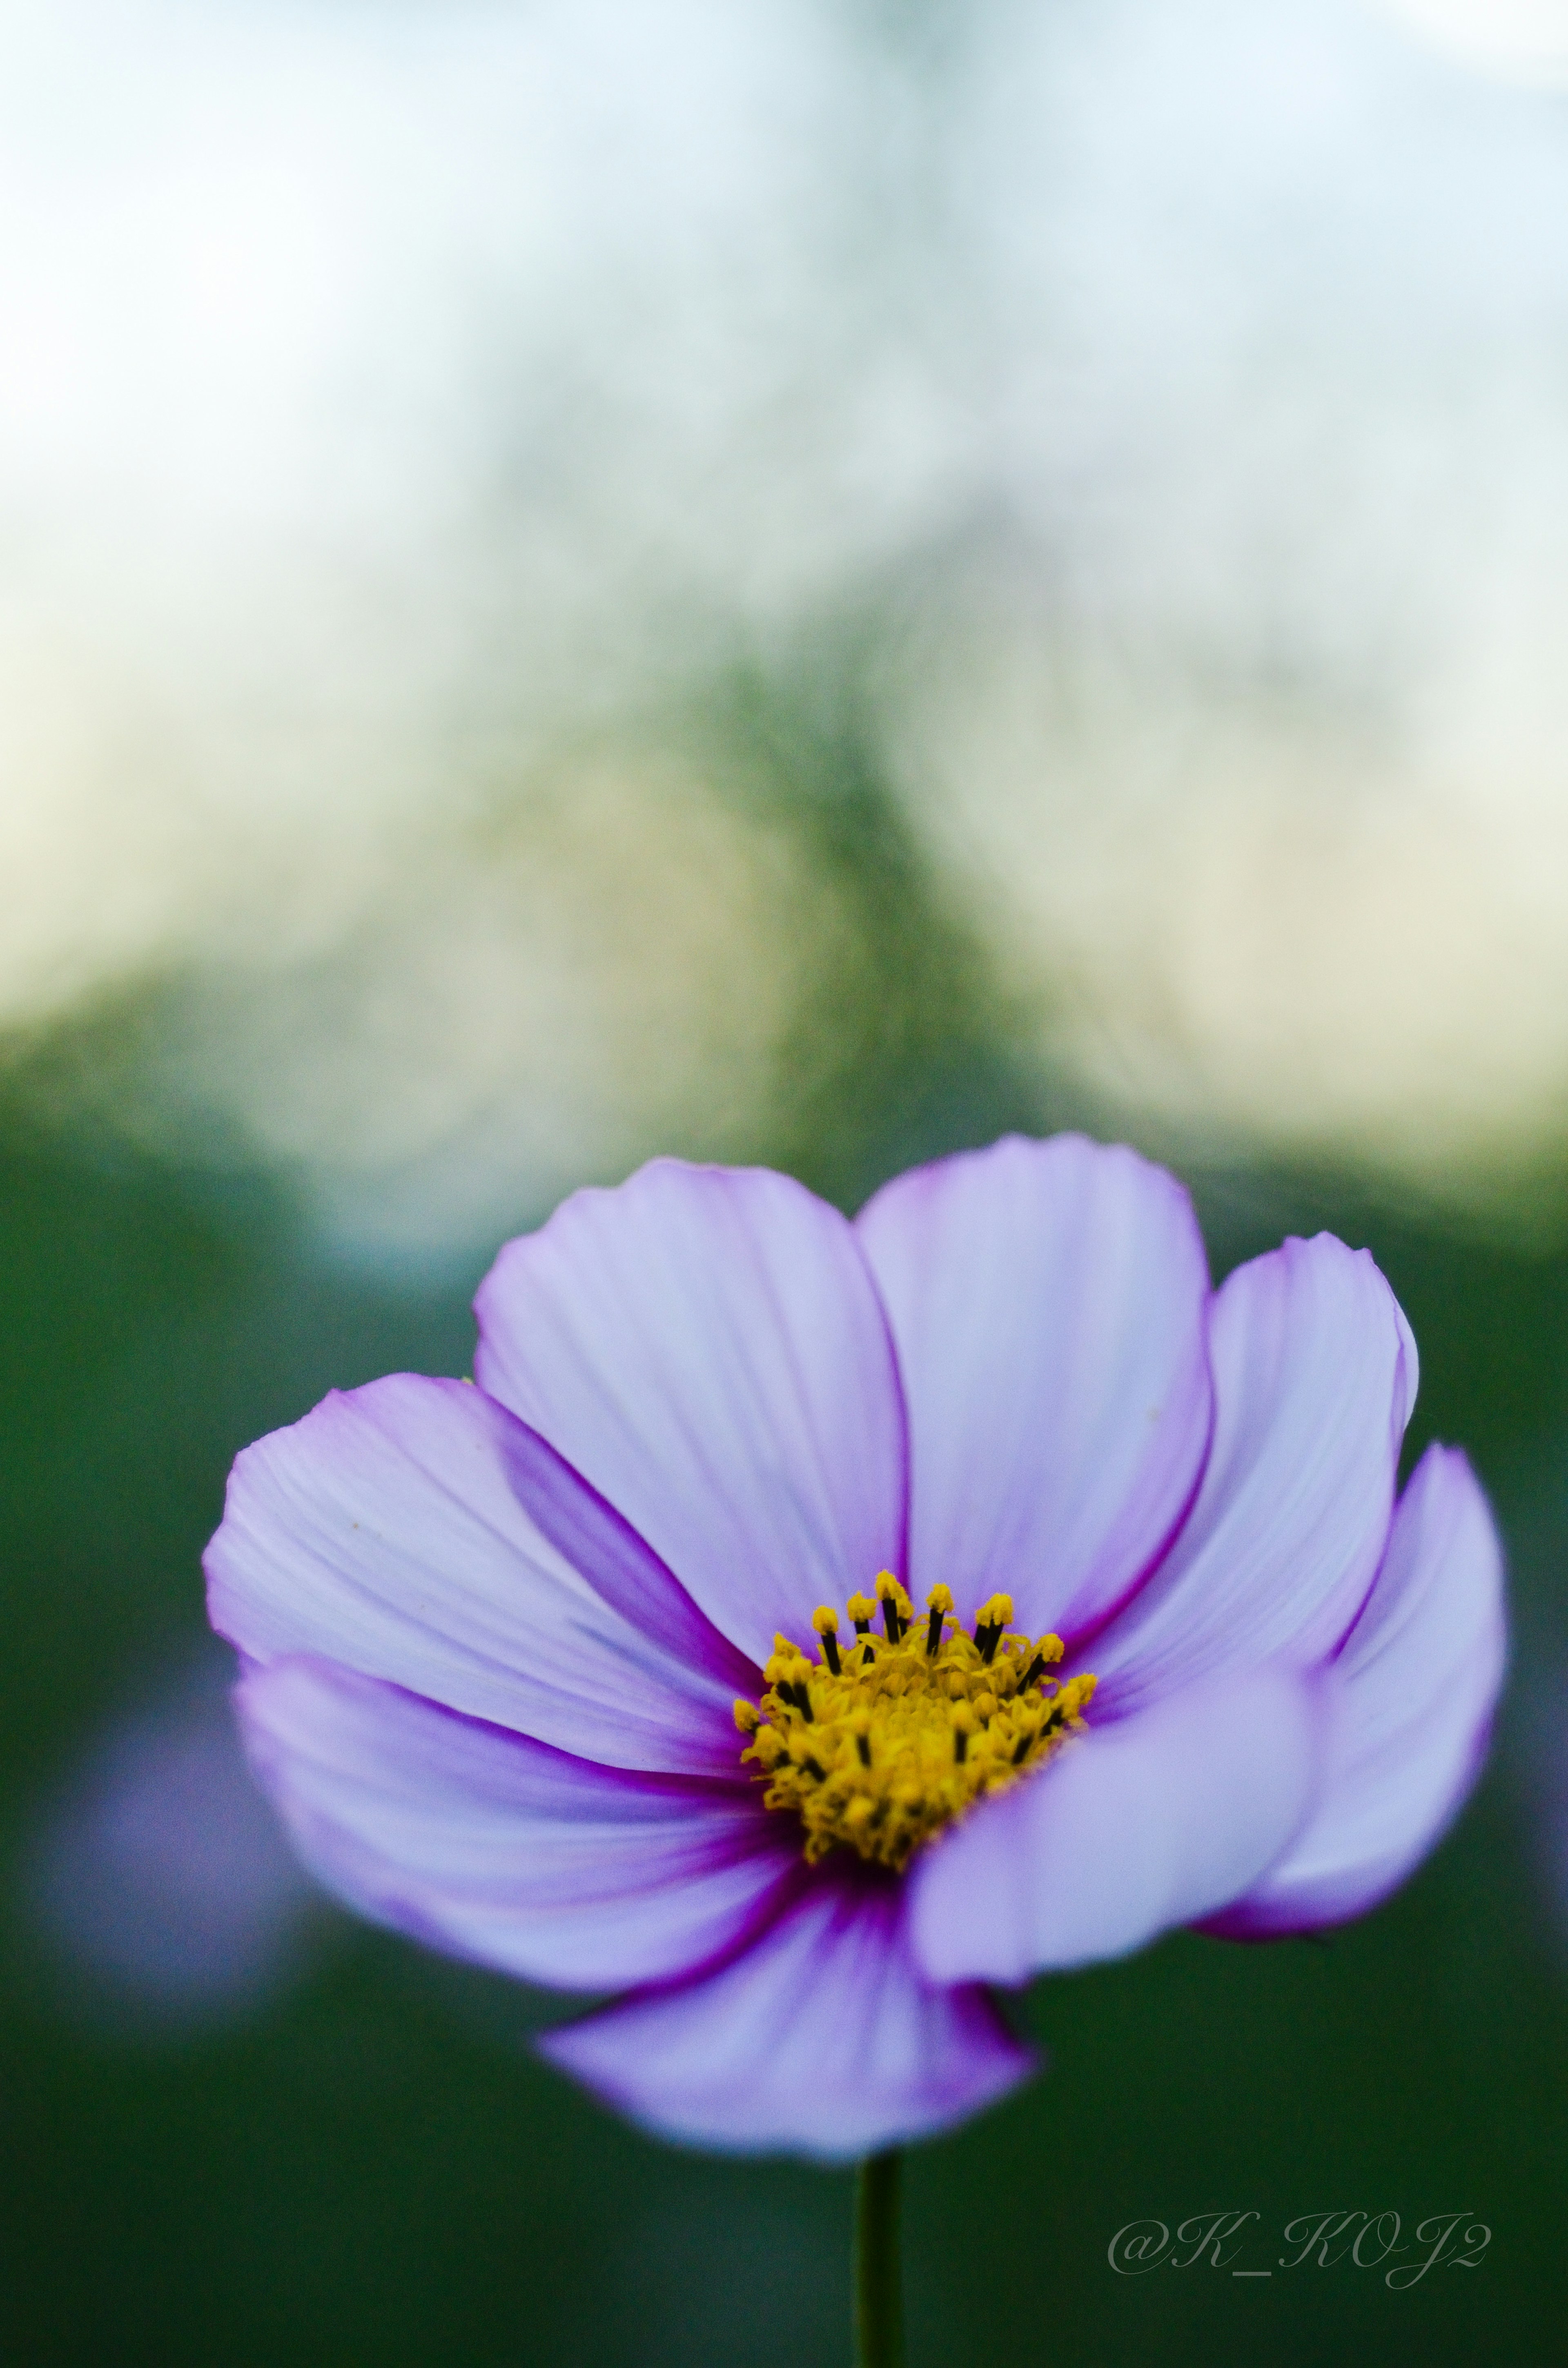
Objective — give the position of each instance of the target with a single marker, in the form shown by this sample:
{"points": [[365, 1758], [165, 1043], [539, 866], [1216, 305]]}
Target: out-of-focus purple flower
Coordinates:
{"points": [[496, 1633], [158, 1877]]}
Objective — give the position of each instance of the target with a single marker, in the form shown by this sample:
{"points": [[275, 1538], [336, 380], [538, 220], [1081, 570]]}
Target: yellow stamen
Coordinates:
{"points": [[897, 1609], [880, 1746], [824, 1619], [994, 1615], [938, 1604]]}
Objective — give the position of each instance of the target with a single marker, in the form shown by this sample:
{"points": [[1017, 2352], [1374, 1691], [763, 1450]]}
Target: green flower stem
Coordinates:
{"points": [[878, 2290]]}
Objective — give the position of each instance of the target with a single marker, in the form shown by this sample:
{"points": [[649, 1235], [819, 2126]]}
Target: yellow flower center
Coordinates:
{"points": [[887, 1740]]}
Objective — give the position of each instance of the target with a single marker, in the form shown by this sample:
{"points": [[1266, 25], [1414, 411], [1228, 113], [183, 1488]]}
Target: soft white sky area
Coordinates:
{"points": [[1250, 727], [1527, 41], [400, 406], [381, 422]]}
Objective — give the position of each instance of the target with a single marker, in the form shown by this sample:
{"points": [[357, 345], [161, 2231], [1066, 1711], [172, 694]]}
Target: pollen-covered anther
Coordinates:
{"points": [[824, 1619], [994, 1617], [879, 1746], [897, 1609]]}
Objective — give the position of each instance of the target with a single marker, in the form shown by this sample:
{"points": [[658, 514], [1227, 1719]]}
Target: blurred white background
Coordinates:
{"points": [[410, 418]]}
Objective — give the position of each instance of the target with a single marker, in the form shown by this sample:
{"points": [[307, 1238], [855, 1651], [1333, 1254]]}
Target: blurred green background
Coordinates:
{"points": [[809, 586]]}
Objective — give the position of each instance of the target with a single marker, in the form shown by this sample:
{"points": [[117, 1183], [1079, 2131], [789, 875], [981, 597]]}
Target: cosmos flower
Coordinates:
{"points": [[805, 1627]]}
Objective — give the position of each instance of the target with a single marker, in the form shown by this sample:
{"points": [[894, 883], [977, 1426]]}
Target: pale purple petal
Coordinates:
{"points": [[706, 1345], [1046, 1300], [1138, 1826], [389, 1531], [822, 2040], [499, 1849], [1415, 1684], [1314, 1377]]}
